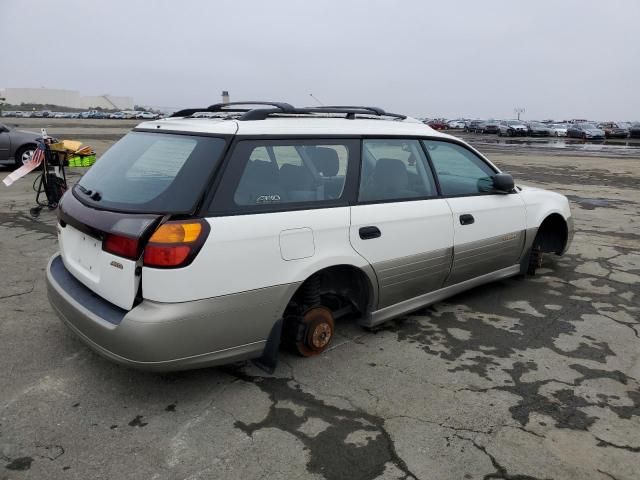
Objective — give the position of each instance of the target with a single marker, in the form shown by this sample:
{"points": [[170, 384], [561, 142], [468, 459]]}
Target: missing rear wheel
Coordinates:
{"points": [[317, 327]]}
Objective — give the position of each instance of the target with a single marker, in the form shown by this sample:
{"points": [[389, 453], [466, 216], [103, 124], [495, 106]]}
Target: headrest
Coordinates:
{"points": [[261, 170], [295, 177], [390, 172], [326, 161]]}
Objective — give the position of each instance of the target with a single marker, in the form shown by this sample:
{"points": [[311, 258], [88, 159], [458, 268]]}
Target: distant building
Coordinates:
{"points": [[65, 98]]}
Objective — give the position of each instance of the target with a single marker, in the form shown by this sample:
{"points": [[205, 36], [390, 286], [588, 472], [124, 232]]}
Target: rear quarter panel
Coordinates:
{"points": [[245, 252]]}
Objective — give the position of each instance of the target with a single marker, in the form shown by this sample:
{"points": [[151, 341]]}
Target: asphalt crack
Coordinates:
{"points": [[501, 471], [330, 454]]}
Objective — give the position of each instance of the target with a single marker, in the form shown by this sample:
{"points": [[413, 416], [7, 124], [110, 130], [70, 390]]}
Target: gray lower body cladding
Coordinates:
{"points": [[410, 283], [474, 259], [170, 336], [411, 276]]}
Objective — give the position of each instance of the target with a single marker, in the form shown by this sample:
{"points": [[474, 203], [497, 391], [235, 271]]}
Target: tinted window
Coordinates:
{"points": [[394, 170], [151, 172], [273, 172], [460, 171]]}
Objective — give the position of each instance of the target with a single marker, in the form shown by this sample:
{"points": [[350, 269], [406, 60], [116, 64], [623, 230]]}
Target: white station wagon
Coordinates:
{"points": [[197, 241]]}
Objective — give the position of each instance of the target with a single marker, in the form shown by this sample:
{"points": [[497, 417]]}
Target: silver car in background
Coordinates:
{"points": [[512, 128], [558, 129], [586, 131]]}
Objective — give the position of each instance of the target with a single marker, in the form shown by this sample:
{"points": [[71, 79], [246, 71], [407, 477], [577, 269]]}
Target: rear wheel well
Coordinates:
{"points": [[334, 287], [552, 234]]}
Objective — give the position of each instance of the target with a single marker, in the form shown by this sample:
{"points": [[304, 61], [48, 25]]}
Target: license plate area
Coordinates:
{"points": [[113, 278], [83, 252]]}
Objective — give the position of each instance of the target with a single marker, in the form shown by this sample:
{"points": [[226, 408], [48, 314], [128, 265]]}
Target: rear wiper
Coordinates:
{"points": [[86, 191], [95, 196]]}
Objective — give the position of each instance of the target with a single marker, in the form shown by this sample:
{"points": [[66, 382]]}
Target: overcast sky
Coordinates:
{"points": [[557, 59]]}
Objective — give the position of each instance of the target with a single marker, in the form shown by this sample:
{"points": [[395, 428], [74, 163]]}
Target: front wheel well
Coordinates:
{"points": [[553, 234]]}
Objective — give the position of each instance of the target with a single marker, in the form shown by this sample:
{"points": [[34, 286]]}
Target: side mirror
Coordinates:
{"points": [[3, 128], [503, 183]]}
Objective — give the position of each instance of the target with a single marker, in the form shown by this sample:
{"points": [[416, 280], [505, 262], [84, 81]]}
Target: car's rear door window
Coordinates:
{"points": [[151, 172], [265, 175]]}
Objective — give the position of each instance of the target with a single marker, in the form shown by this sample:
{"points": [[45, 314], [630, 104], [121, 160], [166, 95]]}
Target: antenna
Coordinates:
{"points": [[319, 102]]}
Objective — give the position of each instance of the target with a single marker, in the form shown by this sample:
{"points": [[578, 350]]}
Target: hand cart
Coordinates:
{"points": [[52, 181]]}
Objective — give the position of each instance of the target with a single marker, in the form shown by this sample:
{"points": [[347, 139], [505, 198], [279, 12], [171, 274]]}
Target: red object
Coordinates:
{"points": [[165, 255], [121, 246], [437, 125]]}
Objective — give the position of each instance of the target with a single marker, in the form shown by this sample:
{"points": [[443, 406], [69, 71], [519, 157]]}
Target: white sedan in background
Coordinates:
{"points": [[559, 129]]}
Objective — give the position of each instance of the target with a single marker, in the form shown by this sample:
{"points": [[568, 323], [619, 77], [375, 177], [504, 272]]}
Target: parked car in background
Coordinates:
{"points": [[307, 220], [490, 126], [456, 124], [146, 115], [512, 128], [585, 130], [613, 130], [558, 129], [634, 131], [437, 124], [473, 126], [537, 129], [117, 115], [16, 146]]}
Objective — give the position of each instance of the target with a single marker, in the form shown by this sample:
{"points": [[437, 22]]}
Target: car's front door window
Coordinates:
{"points": [[459, 171]]}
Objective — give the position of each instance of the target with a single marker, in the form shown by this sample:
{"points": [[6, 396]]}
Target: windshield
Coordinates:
{"points": [[587, 126], [151, 173], [537, 125]]}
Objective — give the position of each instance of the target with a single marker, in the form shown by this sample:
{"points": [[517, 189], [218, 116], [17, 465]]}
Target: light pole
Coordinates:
{"points": [[518, 111]]}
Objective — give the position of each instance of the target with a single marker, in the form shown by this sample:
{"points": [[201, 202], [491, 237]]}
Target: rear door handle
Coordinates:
{"points": [[367, 233], [466, 219]]}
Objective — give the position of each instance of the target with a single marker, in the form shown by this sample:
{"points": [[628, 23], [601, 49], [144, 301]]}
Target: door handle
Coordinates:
{"points": [[466, 219], [367, 233]]}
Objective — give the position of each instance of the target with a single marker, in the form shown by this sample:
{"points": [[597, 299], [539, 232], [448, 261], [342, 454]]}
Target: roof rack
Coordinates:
{"points": [[281, 108], [229, 107]]}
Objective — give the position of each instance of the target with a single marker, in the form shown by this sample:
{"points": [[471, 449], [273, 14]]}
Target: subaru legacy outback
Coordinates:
{"points": [[202, 240]]}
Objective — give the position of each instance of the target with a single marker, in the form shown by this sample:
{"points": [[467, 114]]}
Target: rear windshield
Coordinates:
{"points": [[151, 173]]}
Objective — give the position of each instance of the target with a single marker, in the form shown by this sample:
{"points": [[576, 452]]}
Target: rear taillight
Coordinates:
{"points": [[122, 246], [175, 244]]}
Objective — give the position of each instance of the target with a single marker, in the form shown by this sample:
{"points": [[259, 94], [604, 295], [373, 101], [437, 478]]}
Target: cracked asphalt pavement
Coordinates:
{"points": [[526, 378]]}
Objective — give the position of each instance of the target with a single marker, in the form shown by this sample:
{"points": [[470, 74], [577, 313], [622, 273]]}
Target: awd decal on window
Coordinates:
{"points": [[268, 198]]}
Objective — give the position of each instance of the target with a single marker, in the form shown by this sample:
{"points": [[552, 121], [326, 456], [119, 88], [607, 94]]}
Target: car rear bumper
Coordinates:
{"points": [[168, 336]]}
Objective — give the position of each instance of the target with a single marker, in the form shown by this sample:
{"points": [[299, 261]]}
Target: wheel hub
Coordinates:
{"points": [[321, 336]]}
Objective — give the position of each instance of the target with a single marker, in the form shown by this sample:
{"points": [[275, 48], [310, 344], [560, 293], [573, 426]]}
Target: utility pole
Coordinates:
{"points": [[518, 111]]}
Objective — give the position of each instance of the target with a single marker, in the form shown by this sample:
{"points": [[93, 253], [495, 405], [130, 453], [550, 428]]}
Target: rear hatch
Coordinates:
{"points": [[107, 218]]}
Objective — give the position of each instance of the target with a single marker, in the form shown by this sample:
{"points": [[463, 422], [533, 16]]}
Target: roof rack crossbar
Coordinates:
{"points": [[221, 107], [352, 109], [376, 110], [228, 107], [349, 111]]}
